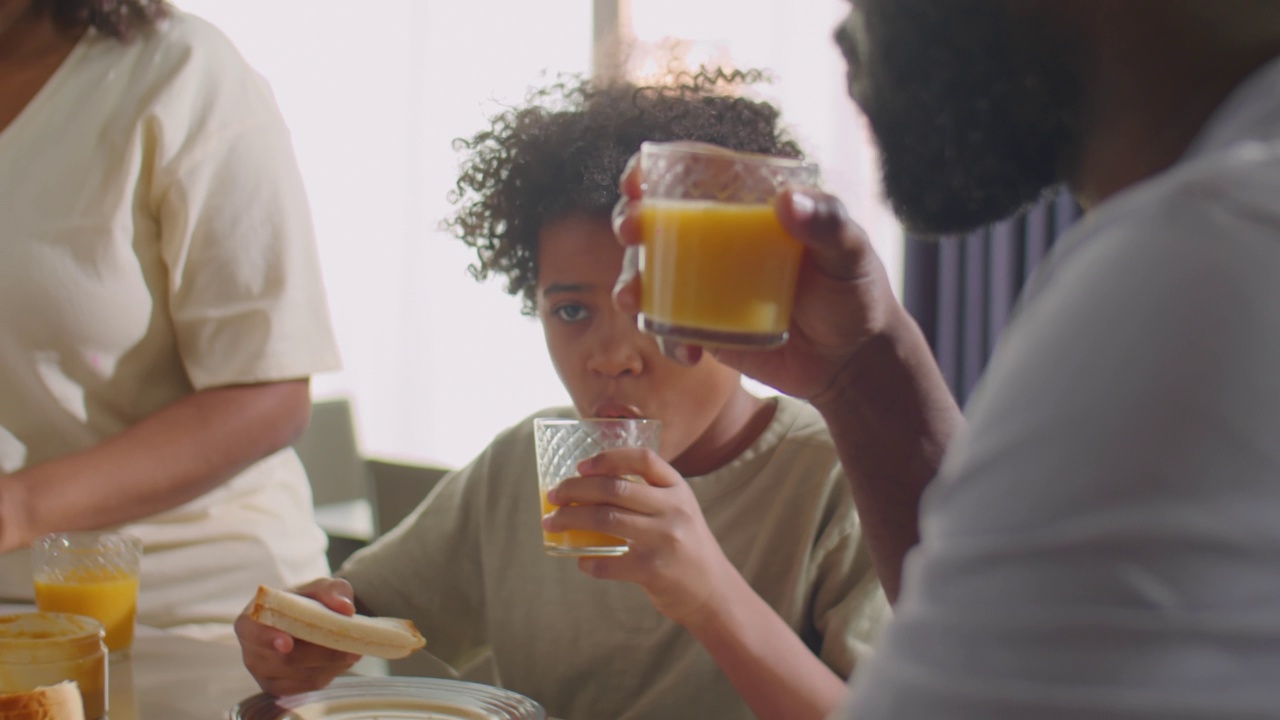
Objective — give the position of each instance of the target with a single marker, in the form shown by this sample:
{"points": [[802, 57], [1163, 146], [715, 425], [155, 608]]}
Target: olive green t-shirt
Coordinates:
{"points": [[468, 567]]}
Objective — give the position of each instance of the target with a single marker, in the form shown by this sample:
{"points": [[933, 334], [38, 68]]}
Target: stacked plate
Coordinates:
{"points": [[393, 698]]}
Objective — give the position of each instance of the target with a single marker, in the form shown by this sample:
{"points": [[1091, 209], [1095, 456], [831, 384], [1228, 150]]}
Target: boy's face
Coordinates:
{"points": [[609, 367]]}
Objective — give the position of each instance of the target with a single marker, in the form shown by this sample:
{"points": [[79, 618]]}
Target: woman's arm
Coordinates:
{"points": [[171, 457]]}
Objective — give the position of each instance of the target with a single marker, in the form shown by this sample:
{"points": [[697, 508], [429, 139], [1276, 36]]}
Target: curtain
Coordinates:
{"points": [[962, 289]]}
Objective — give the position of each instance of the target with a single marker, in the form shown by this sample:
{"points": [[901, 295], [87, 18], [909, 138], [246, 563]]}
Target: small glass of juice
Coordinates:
{"points": [[560, 444], [716, 266], [93, 574]]}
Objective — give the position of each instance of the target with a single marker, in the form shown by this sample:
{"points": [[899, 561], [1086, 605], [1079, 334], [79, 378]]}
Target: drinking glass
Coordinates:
{"points": [[716, 267], [93, 574], [560, 444]]}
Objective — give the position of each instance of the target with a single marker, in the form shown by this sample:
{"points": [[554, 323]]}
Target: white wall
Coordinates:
{"points": [[375, 92]]}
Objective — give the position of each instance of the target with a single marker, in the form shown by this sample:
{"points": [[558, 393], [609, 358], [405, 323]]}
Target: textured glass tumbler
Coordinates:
{"points": [[561, 444], [93, 574], [717, 268]]}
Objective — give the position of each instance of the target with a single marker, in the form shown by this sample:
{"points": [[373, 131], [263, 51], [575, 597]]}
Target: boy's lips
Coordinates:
{"points": [[616, 410]]}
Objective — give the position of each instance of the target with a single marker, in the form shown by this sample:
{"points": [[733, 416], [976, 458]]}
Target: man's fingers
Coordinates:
{"points": [[626, 296], [627, 221], [627, 289], [631, 184], [838, 246], [686, 355]]}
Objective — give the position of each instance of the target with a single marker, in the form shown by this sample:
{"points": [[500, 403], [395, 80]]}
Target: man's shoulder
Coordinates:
{"points": [[1232, 193], [1217, 217]]}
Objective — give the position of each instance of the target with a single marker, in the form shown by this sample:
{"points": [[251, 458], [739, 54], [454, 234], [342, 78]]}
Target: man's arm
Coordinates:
{"points": [[855, 353], [891, 416]]}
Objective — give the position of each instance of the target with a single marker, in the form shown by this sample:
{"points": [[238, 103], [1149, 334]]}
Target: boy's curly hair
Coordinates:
{"points": [[121, 19], [565, 150]]}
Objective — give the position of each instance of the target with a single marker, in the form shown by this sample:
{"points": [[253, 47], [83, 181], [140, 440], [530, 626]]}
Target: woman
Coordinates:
{"points": [[747, 590], [163, 307]]}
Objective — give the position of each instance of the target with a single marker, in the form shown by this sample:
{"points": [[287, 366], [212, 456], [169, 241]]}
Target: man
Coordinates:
{"points": [[1101, 540]]}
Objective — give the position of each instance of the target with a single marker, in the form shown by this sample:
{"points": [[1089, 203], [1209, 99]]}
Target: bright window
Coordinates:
{"points": [[375, 92]]}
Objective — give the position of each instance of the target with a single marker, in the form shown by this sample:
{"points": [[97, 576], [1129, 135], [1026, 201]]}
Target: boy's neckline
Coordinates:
{"points": [[760, 413]]}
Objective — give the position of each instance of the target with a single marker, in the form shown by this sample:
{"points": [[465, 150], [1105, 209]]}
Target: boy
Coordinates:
{"points": [[747, 590]]}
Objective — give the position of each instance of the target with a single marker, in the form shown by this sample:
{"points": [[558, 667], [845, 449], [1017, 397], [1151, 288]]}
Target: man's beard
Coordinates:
{"points": [[976, 109]]}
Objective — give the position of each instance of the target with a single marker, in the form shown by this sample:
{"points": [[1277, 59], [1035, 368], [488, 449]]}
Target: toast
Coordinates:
{"points": [[312, 621], [53, 702]]}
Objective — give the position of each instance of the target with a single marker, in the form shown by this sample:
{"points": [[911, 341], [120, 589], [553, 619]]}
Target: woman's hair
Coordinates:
{"points": [[120, 19], [565, 149]]}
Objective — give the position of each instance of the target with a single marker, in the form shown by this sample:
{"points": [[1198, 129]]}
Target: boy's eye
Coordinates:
{"points": [[571, 312]]}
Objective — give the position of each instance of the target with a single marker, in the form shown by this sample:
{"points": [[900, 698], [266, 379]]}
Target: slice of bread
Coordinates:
{"points": [[54, 702], [310, 620]]}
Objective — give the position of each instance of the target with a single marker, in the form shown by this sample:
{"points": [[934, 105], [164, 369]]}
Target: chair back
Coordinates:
{"points": [[330, 452]]}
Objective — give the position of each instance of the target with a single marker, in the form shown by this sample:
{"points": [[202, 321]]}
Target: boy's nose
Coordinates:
{"points": [[617, 353]]}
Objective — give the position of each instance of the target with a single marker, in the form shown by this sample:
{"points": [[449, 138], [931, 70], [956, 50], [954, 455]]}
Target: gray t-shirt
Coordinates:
{"points": [[468, 567], [1103, 540]]}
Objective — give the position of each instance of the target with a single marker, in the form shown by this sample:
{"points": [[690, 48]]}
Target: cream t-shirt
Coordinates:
{"points": [[155, 239], [470, 570]]}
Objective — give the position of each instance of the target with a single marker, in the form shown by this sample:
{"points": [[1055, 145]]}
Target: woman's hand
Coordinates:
{"points": [[284, 665], [15, 513], [843, 296], [672, 554]]}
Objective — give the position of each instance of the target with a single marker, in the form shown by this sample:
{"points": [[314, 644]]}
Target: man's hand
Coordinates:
{"points": [[843, 295], [854, 352]]}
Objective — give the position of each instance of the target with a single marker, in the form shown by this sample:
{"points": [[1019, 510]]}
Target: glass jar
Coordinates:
{"points": [[38, 649]]}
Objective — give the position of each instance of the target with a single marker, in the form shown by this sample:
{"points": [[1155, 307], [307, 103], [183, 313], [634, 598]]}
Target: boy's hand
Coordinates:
{"points": [[283, 665], [672, 555]]}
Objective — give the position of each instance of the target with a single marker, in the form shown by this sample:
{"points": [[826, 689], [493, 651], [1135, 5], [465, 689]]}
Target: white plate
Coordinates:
{"points": [[393, 698]]}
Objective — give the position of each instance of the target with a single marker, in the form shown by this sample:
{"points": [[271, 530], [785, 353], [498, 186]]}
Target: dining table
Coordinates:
{"points": [[167, 675], [171, 677]]}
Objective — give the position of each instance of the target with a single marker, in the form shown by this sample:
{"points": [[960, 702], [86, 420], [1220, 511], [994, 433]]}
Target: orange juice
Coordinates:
{"points": [[109, 597], [717, 273], [575, 542]]}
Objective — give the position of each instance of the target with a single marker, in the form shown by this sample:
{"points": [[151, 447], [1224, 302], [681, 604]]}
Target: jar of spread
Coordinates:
{"points": [[39, 649]]}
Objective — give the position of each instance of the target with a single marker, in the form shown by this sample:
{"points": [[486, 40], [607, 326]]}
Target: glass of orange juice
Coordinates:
{"points": [[93, 574], [716, 267], [560, 444]]}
